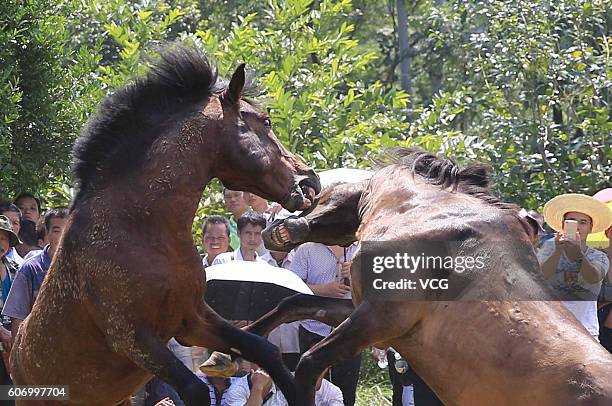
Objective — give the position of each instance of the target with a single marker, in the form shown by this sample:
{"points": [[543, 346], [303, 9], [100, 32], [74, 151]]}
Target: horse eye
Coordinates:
{"points": [[268, 122]]}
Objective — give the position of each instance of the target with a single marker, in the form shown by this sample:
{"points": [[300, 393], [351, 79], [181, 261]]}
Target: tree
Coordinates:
{"points": [[42, 80], [527, 89]]}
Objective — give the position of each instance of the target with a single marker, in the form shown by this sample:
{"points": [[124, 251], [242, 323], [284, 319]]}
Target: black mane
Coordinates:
{"points": [[472, 179], [130, 120]]}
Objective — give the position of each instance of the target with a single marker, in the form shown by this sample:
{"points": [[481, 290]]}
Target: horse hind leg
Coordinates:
{"points": [[297, 307], [366, 326], [151, 354]]}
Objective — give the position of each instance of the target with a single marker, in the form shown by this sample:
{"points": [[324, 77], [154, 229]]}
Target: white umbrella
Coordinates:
{"points": [[343, 175], [246, 290], [255, 271]]}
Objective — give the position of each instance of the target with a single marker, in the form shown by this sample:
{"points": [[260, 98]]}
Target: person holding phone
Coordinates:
{"points": [[574, 269]]}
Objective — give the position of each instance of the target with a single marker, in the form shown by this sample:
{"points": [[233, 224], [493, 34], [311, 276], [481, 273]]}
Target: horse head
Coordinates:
{"points": [[251, 158]]}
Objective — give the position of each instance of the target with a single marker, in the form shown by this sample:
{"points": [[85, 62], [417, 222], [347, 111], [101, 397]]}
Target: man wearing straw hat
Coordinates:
{"points": [[8, 239], [575, 269]]}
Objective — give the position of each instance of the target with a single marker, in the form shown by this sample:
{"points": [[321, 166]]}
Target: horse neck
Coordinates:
{"points": [[174, 176]]}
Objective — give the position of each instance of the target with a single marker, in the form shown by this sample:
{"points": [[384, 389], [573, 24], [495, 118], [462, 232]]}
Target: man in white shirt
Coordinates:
{"points": [[250, 225], [257, 388], [215, 238]]}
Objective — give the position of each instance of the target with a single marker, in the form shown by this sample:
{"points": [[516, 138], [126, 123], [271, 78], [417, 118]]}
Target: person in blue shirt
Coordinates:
{"points": [[31, 274]]}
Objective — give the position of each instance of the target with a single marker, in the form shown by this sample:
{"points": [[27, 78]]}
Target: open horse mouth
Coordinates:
{"points": [[309, 193], [303, 193]]}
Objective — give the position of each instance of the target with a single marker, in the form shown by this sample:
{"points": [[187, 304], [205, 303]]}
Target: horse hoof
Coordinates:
{"points": [[219, 365]]}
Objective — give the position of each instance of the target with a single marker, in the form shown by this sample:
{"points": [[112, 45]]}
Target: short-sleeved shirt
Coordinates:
{"points": [[25, 287], [568, 279], [316, 264], [285, 336], [31, 254], [239, 392]]}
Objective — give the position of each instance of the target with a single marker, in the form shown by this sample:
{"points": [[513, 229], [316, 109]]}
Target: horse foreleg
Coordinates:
{"points": [[151, 354], [366, 325], [297, 307], [209, 330], [328, 310]]}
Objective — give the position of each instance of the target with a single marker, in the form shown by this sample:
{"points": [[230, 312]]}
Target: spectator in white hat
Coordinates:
{"points": [[575, 269]]}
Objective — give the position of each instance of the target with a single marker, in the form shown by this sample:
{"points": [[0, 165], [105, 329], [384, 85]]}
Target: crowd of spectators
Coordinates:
{"points": [[29, 240]]}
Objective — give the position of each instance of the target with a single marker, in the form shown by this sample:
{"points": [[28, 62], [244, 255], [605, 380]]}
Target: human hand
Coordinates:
{"points": [[345, 269], [335, 289], [261, 381], [274, 210], [165, 402], [374, 353], [571, 247]]}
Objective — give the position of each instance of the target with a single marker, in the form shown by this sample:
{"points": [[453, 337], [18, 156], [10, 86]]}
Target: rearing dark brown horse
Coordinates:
{"points": [[477, 352], [127, 276]]}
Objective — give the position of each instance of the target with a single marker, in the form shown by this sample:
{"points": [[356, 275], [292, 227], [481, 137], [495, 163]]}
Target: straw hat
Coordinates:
{"points": [[556, 208], [5, 224]]}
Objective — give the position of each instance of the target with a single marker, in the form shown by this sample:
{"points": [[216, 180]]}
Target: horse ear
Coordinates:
{"points": [[234, 89]]}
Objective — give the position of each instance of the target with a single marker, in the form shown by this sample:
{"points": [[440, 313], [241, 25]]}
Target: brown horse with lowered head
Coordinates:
{"points": [[127, 276], [499, 347]]}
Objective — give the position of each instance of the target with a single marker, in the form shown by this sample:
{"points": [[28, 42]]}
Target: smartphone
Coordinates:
{"points": [[570, 227]]}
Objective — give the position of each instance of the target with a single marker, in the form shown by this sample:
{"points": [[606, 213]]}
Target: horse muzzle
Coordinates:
{"points": [[303, 194]]}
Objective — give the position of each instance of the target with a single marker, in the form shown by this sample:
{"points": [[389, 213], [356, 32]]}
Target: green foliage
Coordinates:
{"points": [[374, 384], [528, 90], [311, 70], [42, 93]]}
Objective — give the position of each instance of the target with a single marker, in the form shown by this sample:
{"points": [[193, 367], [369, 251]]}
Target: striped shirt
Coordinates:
{"points": [[316, 264], [212, 392]]}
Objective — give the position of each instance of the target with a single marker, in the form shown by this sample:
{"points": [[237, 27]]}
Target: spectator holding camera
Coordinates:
{"points": [[575, 269]]}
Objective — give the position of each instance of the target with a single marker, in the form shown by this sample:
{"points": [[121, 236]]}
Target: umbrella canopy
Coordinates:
{"points": [[343, 175], [246, 290]]}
